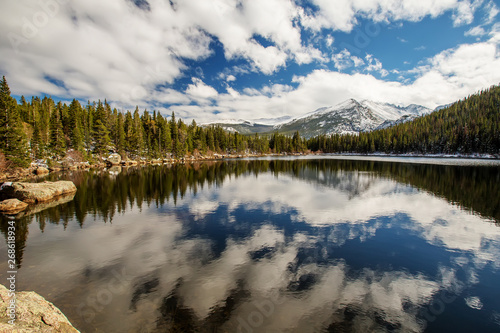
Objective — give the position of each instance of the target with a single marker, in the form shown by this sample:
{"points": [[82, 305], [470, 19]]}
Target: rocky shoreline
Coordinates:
{"points": [[40, 169]]}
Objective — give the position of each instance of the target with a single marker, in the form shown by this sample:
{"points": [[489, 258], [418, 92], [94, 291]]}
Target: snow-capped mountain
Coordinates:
{"points": [[241, 126], [349, 116], [273, 121]]}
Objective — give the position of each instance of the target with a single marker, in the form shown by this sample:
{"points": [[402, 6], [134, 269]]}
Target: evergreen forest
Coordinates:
{"points": [[42, 129]]}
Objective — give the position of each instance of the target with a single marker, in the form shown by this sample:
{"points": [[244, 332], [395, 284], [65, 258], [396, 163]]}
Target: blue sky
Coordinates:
{"points": [[226, 59]]}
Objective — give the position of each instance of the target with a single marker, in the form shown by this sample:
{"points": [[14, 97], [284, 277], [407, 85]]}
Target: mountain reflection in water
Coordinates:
{"points": [[296, 245]]}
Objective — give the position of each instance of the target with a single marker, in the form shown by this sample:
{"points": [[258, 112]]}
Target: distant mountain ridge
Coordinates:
{"points": [[348, 117]]}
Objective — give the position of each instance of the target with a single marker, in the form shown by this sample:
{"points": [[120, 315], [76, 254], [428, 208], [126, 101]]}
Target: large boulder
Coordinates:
{"points": [[33, 314], [12, 206], [36, 192], [41, 171], [114, 159]]}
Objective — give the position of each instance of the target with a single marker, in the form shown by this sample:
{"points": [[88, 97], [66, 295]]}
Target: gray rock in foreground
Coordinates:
{"points": [[33, 314], [36, 192]]}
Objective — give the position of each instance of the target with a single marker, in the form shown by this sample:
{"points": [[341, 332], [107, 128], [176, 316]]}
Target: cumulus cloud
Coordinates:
{"points": [[342, 14], [344, 60], [465, 10], [199, 90], [454, 73], [133, 52], [123, 51], [373, 64], [113, 50]]}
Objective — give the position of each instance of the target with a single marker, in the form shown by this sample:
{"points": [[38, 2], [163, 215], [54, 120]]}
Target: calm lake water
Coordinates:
{"points": [[286, 245]]}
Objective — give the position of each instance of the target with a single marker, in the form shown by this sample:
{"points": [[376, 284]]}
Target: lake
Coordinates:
{"points": [[313, 244]]}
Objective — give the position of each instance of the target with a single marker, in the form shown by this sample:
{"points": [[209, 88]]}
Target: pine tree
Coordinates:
{"points": [[88, 126], [13, 140], [57, 142], [46, 108], [75, 120], [174, 134], [182, 139], [128, 129], [136, 134], [210, 139], [296, 142], [165, 145], [120, 134], [101, 138], [148, 128], [100, 130]]}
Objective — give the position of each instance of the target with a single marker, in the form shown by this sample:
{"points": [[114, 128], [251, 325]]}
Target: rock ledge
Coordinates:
{"points": [[36, 192], [33, 314]]}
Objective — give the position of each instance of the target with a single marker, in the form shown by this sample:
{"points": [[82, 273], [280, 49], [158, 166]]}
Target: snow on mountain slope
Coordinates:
{"points": [[349, 116], [251, 122], [272, 121], [226, 121], [388, 111]]}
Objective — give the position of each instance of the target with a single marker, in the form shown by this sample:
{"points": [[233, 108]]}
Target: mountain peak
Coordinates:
{"points": [[349, 116], [349, 103]]}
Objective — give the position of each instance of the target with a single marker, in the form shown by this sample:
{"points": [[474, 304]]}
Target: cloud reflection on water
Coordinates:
{"points": [[165, 255]]}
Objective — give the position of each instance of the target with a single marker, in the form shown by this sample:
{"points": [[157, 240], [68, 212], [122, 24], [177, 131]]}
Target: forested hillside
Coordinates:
{"points": [[471, 125], [41, 129]]}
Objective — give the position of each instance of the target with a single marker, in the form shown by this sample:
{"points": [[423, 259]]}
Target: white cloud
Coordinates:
{"points": [[373, 64], [495, 34], [199, 90], [465, 10], [96, 55], [344, 59], [357, 61], [169, 96], [117, 51], [341, 14], [476, 31], [329, 40], [455, 73], [492, 11]]}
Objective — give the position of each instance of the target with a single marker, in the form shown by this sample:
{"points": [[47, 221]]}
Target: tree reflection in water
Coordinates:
{"points": [[238, 255]]}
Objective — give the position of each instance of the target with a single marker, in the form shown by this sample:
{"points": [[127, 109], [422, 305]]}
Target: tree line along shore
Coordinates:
{"points": [[41, 132]]}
